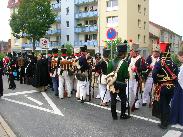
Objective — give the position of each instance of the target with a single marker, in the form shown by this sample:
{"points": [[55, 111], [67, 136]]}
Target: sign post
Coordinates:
{"points": [[111, 35], [44, 45]]}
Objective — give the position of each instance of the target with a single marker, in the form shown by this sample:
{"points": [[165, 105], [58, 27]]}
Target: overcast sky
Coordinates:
{"points": [[167, 13]]}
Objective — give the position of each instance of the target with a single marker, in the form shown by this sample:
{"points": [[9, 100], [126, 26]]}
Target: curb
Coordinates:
{"points": [[7, 129]]}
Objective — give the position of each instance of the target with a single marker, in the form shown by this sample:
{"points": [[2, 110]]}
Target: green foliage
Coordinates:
{"points": [[175, 59], [69, 48], [113, 43], [2, 55], [33, 19]]}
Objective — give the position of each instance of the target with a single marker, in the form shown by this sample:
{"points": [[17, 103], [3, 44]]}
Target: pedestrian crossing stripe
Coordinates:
{"points": [[173, 133], [54, 110]]}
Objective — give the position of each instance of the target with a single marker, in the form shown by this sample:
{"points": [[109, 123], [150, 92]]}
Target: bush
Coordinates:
{"points": [[2, 55], [175, 59]]}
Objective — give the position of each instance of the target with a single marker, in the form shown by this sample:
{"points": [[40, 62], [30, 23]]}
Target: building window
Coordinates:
{"points": [[144, 11], [112, 20], [144, 25], [67, 11], [139, 8], [112, 5], [144, 39], [67, 24], [139, 23], [138, 38], [67, 37]]}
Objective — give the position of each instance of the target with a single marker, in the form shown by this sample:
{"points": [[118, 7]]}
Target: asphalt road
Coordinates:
{"points": [[33, 114]]}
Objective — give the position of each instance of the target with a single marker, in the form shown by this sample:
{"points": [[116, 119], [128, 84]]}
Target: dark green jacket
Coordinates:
{"points": [[123, 71]]}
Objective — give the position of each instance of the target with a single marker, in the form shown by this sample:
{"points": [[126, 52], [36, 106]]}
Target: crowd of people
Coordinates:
{"points": [[135, 81]]}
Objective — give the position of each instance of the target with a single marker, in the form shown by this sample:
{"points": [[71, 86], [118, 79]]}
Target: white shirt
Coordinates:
{"points": [[132, 65], [180, 76]]}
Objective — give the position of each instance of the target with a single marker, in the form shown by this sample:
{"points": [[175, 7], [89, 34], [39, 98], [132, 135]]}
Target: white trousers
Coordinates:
{"points": [[82, 89], [64, 79], [104, 93], [132, 90], [147, 89]]}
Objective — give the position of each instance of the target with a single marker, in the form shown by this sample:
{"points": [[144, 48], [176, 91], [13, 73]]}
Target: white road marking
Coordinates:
{"points": [[34, 100], [29, 105], [178, 126], [135, 116], [19, 93], [54, 107], [173, 133]]}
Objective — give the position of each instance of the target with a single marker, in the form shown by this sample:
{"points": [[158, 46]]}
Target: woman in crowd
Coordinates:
{"points": [[177, 101], [41, 76]]}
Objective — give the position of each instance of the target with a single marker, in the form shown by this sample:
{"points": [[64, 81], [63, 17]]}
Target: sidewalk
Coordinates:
{"points": [[5, 130]]}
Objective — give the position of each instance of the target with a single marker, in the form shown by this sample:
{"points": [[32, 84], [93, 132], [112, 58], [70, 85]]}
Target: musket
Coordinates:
{"points": [[150, 94], [139, 88]]}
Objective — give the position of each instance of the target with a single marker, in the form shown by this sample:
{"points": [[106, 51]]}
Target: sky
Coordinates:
{"points": [[167, 13]]}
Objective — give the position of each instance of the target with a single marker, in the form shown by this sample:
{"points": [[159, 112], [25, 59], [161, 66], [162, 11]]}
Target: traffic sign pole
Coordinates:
{"points": [[111, 34]]}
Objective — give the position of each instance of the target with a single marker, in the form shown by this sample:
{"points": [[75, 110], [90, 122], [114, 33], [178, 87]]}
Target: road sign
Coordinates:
{"points": [[111, 33], [44, 43]]}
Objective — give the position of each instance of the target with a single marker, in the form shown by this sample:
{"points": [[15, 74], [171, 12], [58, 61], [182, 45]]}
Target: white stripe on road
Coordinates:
{"points": [[34, 100], [32, 106], [20, 93], [173, 133], [135, 116], [178, 126], [54, 107]]}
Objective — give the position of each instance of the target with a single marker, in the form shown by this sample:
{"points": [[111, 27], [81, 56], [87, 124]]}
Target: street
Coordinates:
{"points": [[30, 113]]}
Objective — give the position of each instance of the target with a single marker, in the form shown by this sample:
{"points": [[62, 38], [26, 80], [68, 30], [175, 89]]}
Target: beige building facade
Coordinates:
{"points": [[163, 34], [128, 17]]}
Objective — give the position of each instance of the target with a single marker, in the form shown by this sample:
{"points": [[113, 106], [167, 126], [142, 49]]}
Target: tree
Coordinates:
{"points": [[113, 43], [69, 48], [33, 19]]}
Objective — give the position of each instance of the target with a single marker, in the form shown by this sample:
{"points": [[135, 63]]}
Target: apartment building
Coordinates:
{"points": [[164, 35], [53, 34], [85, 22]]}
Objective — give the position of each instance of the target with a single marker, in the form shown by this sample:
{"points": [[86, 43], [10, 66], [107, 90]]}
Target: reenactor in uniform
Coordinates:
{"points": [[54, 70], [1, 80], [133, 80], [21, 65], [101, 68], [120, 66], [64, 73], [164, 76], [11, 68], [150, 62], [97, 71], [29, 68], [82, 75]]}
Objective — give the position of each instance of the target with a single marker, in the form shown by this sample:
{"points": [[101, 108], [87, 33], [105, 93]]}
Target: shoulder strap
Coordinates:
{"points": [[119, 65], [169, 70]]}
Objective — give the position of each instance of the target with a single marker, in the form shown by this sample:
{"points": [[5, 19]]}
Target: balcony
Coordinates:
{"points": [[84, 29], [54, 44], [92, 43], [84, 2], [88, 14], [54, 32], [56, 6], [29, 45], [58, 19]]}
